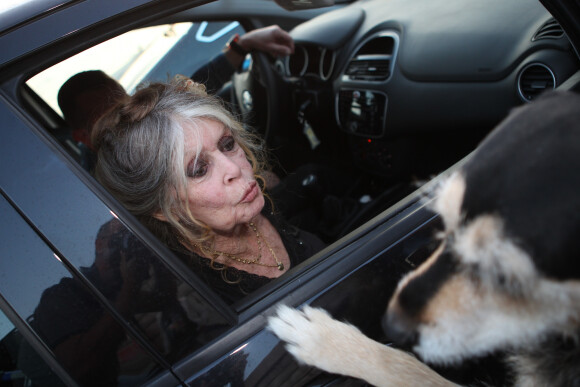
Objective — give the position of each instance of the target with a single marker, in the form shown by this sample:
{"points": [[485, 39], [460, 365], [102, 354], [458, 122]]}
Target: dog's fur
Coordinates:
{"points": [[505, 276]]}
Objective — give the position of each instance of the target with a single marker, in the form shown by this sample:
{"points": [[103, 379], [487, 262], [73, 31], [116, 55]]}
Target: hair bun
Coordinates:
{"points": [[183, 83]]}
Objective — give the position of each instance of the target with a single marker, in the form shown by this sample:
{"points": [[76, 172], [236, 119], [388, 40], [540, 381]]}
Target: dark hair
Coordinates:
{"points": [[93, 80]]}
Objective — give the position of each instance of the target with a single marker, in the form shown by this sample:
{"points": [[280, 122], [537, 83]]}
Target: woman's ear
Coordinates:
{"points": [[160, 216]]}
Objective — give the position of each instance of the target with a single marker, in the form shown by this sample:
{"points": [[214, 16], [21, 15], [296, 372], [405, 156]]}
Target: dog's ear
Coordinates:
{"points": [[493, 258]]}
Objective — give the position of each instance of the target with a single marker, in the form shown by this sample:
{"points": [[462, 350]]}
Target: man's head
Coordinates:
{"points": [[85, 97]]}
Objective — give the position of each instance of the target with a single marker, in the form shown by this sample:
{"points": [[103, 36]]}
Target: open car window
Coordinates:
{"points": [[154, 53]]}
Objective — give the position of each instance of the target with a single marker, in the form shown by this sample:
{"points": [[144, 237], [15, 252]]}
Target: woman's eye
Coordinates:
{"points": [[198, 169], [227, 144]]}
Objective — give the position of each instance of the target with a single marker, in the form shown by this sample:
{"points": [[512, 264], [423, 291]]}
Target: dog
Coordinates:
{"points": [[504, 277]]}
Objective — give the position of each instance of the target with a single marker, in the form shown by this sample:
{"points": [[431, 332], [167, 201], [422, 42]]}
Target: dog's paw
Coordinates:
{"points": [[313, 337]]}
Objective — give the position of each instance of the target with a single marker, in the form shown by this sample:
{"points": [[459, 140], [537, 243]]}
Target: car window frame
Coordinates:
{"points": [[240, 312], [250, 305]]}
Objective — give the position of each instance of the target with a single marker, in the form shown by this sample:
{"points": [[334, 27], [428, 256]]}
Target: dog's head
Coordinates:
{"points": [[507, 272]]}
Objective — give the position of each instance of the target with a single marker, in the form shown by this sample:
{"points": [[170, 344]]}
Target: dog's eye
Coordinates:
{"points": [[510, 284], [501, 280]]}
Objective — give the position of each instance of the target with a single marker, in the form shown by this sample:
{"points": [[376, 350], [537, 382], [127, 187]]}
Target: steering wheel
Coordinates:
{"points": [[256, 95]]}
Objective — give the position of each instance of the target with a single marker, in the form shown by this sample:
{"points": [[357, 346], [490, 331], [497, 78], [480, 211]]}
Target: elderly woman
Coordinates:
{"points": [[181, 163]]}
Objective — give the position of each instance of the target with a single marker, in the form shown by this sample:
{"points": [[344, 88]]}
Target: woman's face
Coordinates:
{"points": [[221, 188]]}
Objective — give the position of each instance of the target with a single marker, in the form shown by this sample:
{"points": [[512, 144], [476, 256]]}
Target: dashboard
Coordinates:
{"points": [[428, 68]]}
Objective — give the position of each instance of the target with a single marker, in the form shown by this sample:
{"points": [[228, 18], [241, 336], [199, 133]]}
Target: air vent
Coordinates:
{"points": [[550, 30], [534, 79], [374, 59], [368, 68]]}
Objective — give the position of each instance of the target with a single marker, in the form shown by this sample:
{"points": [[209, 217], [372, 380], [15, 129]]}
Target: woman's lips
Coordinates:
{"points": [[250, 193]]}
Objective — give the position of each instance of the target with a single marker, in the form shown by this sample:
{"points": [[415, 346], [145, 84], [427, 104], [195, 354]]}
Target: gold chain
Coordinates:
{"points": [[255, 261]]}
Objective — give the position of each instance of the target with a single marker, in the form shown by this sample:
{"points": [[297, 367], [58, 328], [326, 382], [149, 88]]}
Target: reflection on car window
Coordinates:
{"points": [[84, 318], [20, 364]]}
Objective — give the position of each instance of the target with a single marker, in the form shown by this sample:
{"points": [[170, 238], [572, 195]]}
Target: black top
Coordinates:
{"points": [[299, 244]]}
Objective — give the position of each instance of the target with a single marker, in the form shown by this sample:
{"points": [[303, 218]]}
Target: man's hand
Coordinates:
{"points": [[272, 40]]}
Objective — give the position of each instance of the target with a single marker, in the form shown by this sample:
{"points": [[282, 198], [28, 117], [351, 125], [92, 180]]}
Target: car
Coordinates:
{"points": [[390, 96]]}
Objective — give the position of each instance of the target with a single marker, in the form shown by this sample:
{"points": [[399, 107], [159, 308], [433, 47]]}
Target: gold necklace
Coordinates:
{"points": [[256, 261]]}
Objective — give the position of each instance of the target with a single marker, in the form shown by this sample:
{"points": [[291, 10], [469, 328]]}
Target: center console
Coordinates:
{"points": [[362, 112]]}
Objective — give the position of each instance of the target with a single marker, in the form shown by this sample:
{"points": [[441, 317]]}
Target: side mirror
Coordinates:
{"points": [[294, 5]]}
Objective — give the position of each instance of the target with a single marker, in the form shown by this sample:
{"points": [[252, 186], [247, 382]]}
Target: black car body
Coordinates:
{"points": [[394, 91]]}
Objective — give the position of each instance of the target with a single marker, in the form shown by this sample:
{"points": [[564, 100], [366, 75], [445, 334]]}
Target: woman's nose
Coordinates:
{"points": [[231, 170]]}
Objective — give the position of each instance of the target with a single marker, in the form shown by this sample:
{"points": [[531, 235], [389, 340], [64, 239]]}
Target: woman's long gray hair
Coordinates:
{"points": [[140, 155]]}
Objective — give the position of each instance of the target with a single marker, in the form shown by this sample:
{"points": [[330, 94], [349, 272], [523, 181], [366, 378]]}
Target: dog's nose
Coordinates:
{"points": [[399, 329]]}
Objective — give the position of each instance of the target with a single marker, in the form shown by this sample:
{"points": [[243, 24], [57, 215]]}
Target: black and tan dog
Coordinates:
{"points": [[505, 277]]}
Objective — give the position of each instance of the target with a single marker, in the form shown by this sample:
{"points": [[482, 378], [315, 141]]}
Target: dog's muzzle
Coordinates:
{"points": [[400, 330]]}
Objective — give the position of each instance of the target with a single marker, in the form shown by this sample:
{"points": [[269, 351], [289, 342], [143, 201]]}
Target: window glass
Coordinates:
{"points": [[20, 364], [152, 53], [72, 315], [84, 337]]}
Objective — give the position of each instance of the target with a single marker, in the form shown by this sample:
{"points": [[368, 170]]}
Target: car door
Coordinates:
{"points": [[100, 301]]}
